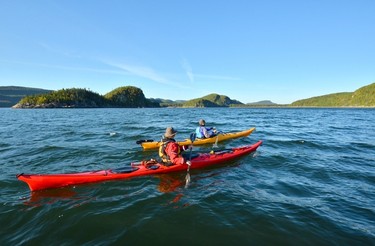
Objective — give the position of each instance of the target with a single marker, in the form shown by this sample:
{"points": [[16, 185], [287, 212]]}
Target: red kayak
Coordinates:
{"points": [[50, 181]]}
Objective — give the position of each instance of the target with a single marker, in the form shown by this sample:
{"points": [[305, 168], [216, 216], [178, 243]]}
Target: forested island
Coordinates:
{"points": [[363, 97], [122, 97], [133, 97]]}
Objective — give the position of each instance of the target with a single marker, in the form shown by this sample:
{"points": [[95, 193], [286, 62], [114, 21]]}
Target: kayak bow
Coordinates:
{"points": [[50, 181]]}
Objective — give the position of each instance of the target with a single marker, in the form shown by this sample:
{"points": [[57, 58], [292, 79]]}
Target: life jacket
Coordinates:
{"points": [[199, 132], [163, 155]]}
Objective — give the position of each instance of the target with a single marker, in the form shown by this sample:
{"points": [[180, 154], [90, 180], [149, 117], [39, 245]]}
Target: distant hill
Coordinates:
{"points": [[129, 97], [11, 95], [363, 97], [211, 100], [167, 102], [124, 97], [262, 103], [64, 98]]}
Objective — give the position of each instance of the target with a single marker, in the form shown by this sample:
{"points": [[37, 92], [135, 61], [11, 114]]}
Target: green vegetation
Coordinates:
{"points": [[262, 103], [65, 98], [331, 100], [10, 95], [126, 97], [133, 97], [212, 100], [167, 102], [363, 97]]}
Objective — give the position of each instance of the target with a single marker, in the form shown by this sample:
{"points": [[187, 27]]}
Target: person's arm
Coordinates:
{"points": [[205, 132], [208, 132]]}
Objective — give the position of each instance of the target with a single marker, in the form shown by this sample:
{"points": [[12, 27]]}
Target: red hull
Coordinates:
{"points": [[50, 181]]}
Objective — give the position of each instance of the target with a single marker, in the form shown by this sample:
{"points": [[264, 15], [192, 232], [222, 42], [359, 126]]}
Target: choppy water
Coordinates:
{"points": [[312, 182]]}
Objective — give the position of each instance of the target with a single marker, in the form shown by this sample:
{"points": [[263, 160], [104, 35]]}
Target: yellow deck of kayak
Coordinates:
{"points": [[199, 141]]}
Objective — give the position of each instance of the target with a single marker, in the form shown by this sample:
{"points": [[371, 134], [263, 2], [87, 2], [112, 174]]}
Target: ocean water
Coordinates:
{"points": [[312, 182]]}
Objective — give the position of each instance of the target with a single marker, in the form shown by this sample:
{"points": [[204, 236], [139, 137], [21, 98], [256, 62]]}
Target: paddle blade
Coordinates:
{"points": [[144, 141], [187, 180], [193, 136], [215, 144]]}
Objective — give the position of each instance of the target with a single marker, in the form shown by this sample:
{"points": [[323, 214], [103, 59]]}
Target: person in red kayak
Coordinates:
{"points": [[170, 150], [205, 132]]}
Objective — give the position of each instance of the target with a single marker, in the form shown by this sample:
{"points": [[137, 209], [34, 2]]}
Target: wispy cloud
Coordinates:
{"points": [[59, 51], [141, 71], [217, 77], [85, 69], [146, 72], [189, 71]]}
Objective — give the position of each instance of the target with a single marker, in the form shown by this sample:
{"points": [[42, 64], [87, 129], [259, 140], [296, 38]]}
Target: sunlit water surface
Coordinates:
{"points": [[312, 182]]}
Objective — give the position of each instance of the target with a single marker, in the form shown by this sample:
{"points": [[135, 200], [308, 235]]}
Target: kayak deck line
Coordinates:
{"points": [[136, 169]]}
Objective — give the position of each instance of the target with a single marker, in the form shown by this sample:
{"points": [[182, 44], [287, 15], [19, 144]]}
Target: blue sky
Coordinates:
{"points": [[248, 50]]}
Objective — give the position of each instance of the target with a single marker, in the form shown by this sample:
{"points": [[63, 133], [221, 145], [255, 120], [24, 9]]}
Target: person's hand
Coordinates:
{"points": [[188, 163]]}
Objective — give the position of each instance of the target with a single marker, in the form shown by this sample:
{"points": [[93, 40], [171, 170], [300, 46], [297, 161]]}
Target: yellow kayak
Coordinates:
{"points": [[149, 144]]}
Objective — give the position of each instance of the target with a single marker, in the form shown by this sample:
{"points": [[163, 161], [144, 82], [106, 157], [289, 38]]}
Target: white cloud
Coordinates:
{"points": [[189, 71], [141, 71], [59, 51], [146, 72], [218, 77], [64, 67]]}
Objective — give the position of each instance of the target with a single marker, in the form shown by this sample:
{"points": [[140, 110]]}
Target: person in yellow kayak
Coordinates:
{"points": [[170, 150], [205, 132]]}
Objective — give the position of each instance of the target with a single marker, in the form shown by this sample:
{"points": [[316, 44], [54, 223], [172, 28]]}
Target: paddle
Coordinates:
{"points": [[192, 139], [144, 141], [187, 178], [215, 144], [217, 139]]}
